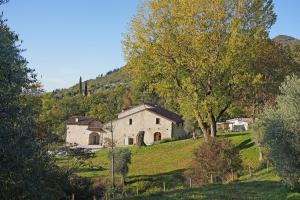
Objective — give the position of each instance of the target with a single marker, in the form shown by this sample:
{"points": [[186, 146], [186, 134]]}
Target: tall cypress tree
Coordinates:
{"points": [[85, 89], [80, 85]]}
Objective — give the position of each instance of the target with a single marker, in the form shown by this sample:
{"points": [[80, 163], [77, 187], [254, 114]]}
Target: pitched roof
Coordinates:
{"points": [[93, 124], [156, 110], [166, 114], [79, 120]]}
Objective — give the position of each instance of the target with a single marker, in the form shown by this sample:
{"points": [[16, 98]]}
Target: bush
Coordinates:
{"points": [[122, 158], [216, 161]]}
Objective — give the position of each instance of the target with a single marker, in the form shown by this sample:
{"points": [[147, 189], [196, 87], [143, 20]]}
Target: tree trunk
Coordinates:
{"points": [[213, 126], [213, 129], [254, 105], [194, 135], [122, 180], [260, 154], [204, 128]]}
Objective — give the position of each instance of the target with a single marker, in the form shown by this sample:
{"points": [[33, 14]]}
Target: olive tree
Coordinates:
{"points": [[279, 131], [122, 158]]}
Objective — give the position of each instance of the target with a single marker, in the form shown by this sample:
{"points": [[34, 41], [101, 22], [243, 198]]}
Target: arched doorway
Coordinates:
{"points": [[157, 136], [94, 138]]}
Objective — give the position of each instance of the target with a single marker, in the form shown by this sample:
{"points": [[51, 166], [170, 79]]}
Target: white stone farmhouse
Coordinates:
{"points": [[154, 122]]}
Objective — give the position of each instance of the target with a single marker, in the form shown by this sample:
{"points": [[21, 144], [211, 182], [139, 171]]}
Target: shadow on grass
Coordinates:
{"points": [[89, 169], [169, 176], [264, 190], [232, 134], [245, 144], [172, 180]]}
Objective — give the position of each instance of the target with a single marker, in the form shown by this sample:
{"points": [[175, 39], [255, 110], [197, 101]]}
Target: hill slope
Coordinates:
{"points": [[155, 165], [108, 81], [290, 42], [286, 40]]}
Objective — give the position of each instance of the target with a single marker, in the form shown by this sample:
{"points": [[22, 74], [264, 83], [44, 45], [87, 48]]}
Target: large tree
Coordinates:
{"points": [[198, 54], [26, 171], [273, 64]]}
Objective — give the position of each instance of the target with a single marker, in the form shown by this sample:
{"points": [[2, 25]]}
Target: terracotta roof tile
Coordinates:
{"points": [[166, 113]]}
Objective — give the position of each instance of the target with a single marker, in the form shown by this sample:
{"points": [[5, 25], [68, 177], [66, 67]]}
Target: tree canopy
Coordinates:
{"points": [[26, 171], [198, 55]]}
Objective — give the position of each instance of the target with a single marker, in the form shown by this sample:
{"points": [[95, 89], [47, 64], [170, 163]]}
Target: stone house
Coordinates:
{"points": [[155, 122], [84, 131]]}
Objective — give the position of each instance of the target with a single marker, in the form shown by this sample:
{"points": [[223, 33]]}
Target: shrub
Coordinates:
{"points": [[216, 161], [122, 158]]}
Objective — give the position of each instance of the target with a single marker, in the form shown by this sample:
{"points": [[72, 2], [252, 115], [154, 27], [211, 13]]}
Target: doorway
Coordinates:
{"points": [[94, 138], [157, 136]]}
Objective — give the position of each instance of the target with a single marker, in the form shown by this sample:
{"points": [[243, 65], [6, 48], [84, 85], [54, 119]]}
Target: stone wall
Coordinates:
{"points": [[78, 134]]}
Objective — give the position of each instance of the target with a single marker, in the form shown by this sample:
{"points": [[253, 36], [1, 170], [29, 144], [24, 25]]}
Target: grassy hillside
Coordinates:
{"points": [[165, 158], [107, 81], [258, 190], [155, 165]]}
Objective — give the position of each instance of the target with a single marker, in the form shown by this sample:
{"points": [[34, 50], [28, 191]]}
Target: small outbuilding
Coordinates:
{"points": [[84, 131], [236, 124]]}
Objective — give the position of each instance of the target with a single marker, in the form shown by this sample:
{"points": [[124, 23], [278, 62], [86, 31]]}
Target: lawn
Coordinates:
{"points": [[256, 190], [163, 164]]}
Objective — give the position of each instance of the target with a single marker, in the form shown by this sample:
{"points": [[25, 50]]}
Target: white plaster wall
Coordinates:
{"points": [[238, 123], [80, 135], [77, 134]]}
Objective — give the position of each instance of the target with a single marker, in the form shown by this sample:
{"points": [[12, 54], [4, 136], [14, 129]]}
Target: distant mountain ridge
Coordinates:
{"points": [[292, 43], [286, 40]]}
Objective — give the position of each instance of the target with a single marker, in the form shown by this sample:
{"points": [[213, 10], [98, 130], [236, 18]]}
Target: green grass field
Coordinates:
{"points": [[159, 164]]}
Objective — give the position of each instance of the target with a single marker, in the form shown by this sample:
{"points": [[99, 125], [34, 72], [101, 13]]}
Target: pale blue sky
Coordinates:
{"points": [[65, 39]]}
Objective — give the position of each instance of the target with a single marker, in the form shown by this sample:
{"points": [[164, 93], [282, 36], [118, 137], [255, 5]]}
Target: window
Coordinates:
{"points": [[130, 121], [130, 141], [157, 121]]}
